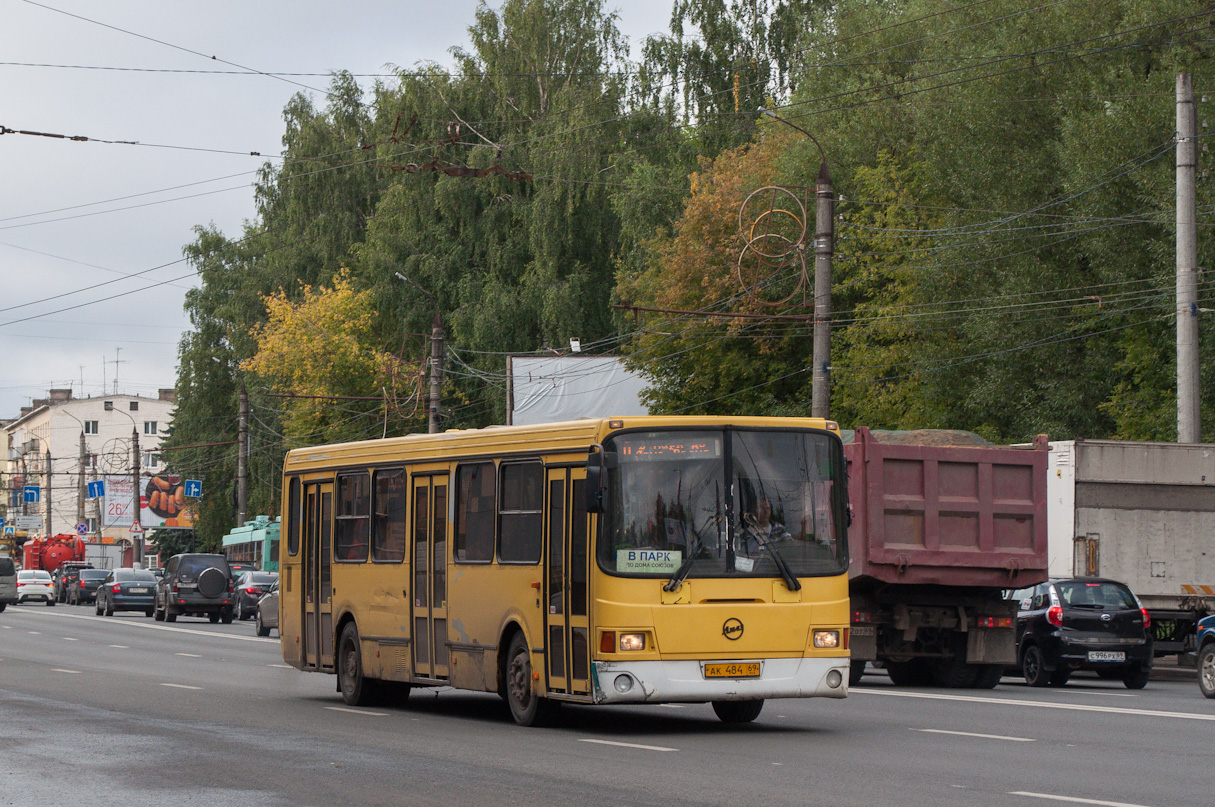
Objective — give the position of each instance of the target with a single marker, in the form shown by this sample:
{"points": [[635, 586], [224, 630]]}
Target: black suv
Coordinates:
{"points": [[1085, 623], [194, 585]]}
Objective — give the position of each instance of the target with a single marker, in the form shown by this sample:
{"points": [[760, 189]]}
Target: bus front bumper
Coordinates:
{"points": [[685, 681]]}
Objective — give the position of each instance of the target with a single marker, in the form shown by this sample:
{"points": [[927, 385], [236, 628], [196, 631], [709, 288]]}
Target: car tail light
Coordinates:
{"points": [[1054, 615], [252, 590], [174, 588], [21, 583], [1147, 618], [607, 641], [995, 622], [117, 589]]}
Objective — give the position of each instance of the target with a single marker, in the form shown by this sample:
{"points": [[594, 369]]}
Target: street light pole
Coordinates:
{"points": [[137, 539], [824, 250]]}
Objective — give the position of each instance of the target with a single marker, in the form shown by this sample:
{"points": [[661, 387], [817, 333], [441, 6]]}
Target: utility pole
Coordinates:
{"points": [[242, 459], [1188, 425], [436, 371], [47, 529], [824, 250], [135, 491], [80, 484]]}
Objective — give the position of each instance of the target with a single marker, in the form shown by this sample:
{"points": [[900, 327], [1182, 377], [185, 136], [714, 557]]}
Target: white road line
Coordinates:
{"points": [[983, 736], [356, 711], [131, 623], [673, 705], [1073, 799], [1074, 707], [188, 655], [34, 632], [281, 666], [180, 686], [120, 646], [70, 672], [630, 745], [70, 639], [1104, 692]]}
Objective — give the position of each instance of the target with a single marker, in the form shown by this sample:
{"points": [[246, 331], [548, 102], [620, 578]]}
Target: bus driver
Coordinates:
{"points": [[759, 529]]}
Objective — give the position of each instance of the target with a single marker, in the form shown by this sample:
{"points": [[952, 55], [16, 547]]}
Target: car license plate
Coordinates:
{"points": [[748, 669], [864, 630], [1106, 655], [137, 591]]}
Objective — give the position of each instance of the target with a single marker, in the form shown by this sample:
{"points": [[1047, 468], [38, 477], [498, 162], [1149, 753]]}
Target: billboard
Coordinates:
{"points": [[162, 503]]}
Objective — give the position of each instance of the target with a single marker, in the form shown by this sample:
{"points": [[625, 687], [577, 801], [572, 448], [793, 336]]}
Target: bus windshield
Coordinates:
{"points": [[732, 502]]}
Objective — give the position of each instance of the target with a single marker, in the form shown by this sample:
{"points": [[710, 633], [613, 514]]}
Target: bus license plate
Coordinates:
{"points": [[1106, 655], [749, 669]]}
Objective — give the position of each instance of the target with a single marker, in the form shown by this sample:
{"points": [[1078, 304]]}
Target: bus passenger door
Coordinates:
{"points": [[566, 589], [430, 650], [316, 572]]}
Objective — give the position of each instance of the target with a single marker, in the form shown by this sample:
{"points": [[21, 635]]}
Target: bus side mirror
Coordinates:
{"points": [[596, 463]]}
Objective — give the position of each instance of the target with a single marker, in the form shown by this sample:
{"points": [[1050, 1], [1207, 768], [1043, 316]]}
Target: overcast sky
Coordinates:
{"points": [[74, 215]]}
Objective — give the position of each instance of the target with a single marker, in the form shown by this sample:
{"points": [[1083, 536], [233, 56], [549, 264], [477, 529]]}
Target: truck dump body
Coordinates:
{"points": [[927, 513]]}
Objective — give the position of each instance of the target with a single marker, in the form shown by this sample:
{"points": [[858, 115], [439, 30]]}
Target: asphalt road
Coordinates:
{"points": [[125, 710]]}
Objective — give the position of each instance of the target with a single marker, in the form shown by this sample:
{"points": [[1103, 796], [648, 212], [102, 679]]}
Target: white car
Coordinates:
{"points": [[35, 584]]}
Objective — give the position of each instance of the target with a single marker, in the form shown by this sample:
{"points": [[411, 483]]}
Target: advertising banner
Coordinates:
{"points": [[164, 506], [119, 500]]}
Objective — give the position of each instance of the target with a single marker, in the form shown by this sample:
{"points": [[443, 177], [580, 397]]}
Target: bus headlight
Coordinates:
{"points": [[632, 641], [827, 638]]}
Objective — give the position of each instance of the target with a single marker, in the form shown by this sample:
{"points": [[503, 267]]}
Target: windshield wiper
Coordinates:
{"points": [[677, 580], [791, 582]]}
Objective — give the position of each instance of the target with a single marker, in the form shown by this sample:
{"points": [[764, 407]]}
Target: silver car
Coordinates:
{"points": [[8, 582], [35, 584], [267, 610]]}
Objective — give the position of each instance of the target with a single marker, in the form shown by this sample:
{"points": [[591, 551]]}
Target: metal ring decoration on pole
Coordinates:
{"points": [[772, 264]]}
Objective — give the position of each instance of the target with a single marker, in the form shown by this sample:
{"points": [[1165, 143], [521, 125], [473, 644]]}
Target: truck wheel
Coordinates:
{"points": [[1136, 677], [856, 671], [989, 676], [1031, 667], [1206, 670], [737, 711], [954, 673]]}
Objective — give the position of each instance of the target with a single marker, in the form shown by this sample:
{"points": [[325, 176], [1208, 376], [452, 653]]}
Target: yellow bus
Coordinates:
{"points": [[599, 561]]}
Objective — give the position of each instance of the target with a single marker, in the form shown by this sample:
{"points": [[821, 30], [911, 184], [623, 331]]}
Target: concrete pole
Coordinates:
{"points": [[80, 483], [1188, 421], [138, 539], [242, 459], [47, 528], [824, 249], [436, 372]]}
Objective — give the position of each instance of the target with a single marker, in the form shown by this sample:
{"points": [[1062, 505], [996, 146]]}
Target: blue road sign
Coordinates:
{"points": [[193, 487], [32, 494], [96, 489], [10, 530]]}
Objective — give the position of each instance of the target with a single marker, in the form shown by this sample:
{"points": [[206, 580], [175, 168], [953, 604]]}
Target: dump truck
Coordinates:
{"points": [[1141, 513], [943, 525]]}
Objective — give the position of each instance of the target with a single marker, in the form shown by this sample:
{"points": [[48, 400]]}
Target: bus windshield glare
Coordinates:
{"points": [[734, 502]]}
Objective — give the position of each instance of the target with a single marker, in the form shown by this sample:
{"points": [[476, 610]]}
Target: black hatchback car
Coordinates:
{"points": [[84, 589], [194, 584], [1085, 623]]}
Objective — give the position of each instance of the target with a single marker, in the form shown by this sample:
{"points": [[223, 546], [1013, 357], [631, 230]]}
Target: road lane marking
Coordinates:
{"points": [[188, 655], [120, 646], [1105, 692], [70, 639], [70, 672], [180, 686], [1073, 799], [673, 705], [1073, 707], [356, 711], [34, 632], [281, 666], [983, 736], [137, 624], [629, 745]]}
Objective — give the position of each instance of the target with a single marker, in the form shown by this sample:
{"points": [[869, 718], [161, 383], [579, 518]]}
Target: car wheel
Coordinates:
{"points": [[262, 630], [170, 614], [109, 608], [50, 603], [226, 617], [150, 612], [1060, 677], [737, 711], [97, 607], [356, 689], [214, 617], [3, 605], [856, 671], [526, 707], [1136, 676], [157, 614], [1206, 670], [1031, 667], [240, 610]]}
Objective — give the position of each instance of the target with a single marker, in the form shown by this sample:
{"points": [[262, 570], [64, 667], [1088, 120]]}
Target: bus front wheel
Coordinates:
{"points": [[356, 689], [737, 711], [526, 707]]}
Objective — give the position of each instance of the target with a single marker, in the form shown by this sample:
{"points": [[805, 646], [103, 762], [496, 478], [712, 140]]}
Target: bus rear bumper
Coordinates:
{"points": [[685, 681]]}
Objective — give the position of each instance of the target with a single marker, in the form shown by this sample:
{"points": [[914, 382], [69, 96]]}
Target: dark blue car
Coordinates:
{"points": [[126, 590], [1206, 655]]}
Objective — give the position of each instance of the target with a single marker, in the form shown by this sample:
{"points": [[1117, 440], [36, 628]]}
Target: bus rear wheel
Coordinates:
{"points": [[526, 707], [356, 689], [737, 711]]}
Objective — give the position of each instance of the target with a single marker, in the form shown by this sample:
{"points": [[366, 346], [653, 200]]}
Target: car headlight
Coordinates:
{"points": [[827, 638]]}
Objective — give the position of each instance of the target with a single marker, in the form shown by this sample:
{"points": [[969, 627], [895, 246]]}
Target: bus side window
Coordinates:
{"points": [[388, 527], [521, 517], [293, 517], [353, 517], [475, 509]]}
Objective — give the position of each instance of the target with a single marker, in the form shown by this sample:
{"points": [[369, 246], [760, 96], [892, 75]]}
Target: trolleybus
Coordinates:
{"points": [[256, 542], [599, 561]]}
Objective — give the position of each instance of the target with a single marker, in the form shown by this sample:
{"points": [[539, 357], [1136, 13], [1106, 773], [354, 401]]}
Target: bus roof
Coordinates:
{"points": [[548, 438]]}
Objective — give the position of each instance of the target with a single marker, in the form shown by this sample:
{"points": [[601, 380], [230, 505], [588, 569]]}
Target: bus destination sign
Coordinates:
{"points": [[669, 447]]}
